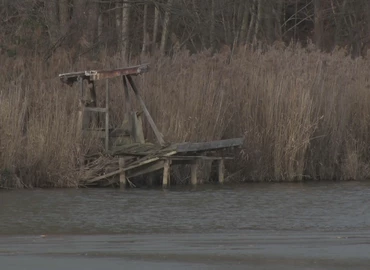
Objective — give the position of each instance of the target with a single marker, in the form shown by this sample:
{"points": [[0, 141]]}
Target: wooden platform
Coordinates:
{"points": [[127, 152], [141, 159]]}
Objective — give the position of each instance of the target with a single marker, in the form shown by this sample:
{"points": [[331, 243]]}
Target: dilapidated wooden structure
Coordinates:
{"points": [[132, 155]]}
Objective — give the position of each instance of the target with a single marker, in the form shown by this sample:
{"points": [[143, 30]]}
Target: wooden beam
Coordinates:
{"points": [[132, 166], [194, 173], [196, 158], [137, 129], [147, 169], [221, 171], [122, 176], [207, 146], [166, 172], [91, 103], [127, 101], [107, 115], [158, 135]]}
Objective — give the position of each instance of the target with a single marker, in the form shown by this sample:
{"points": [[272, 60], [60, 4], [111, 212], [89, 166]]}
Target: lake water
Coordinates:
{"points": [[251, 226]]}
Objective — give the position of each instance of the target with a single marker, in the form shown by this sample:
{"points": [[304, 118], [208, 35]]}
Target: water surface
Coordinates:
{"points": [[252, 226]]}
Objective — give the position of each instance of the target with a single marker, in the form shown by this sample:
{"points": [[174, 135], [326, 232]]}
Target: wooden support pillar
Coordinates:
{"points": [[158, 135], [127, 100], [194, 172], [166, 174], [92, 116], [221, 171], [107, 115], [81, 112], [122, 175], [80, 122]]}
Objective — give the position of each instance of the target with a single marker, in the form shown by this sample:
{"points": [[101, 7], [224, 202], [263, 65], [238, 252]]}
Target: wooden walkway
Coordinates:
{"points": [[133, 156]]}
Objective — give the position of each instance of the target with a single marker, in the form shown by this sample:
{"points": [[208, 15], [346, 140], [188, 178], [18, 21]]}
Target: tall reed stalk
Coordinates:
{"points": [[304, 114]]}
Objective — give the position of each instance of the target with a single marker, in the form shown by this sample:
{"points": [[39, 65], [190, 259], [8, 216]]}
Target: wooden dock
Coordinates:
{"points": [[130, 155]]}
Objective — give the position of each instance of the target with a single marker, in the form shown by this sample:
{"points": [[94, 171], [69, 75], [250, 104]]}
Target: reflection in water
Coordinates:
{"points": [[256, 225]]}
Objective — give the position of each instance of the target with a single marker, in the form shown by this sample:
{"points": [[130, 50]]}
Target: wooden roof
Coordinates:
{"points": [[94, 75]]}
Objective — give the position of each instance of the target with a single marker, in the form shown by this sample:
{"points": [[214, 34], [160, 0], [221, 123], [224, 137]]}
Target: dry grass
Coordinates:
{"points": [[304, 114]]}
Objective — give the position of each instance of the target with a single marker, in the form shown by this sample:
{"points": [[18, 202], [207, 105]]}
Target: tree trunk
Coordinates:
{"points": [[145, 30], [52, 20], [155, 28], [166, 25], [252, 23], [64, 16], [245, 22], [259, 20], [278, 17], [125, 31], [318, 28], [212, 39], [91, 27], [79, 19]]}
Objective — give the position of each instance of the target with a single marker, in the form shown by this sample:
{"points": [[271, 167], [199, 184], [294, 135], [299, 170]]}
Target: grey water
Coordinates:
{"points": [[250, 226]]}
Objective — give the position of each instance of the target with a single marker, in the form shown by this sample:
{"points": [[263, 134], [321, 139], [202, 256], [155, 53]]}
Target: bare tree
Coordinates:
{"points": [[125, 33], [166, 25]]}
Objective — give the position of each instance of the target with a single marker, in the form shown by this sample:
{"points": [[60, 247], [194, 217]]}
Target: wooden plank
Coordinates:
{"points": [[147, 169], [127, 102], [221, 171], [194, 173], [107, 115], [132, 166], [166, 172], [196, 157], [122, 176], [158, 135], [207, 146]]}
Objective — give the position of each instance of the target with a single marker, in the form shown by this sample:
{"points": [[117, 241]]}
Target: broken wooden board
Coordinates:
{"points": [[208, 146]]}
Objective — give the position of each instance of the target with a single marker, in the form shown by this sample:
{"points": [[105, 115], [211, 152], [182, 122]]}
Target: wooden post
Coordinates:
{"points": [[137, 128], [80, 122], [221, 171], [166, 173], [81, 110], [194, 173], [122, 175], [92, 116], [107, 115], [158, 135], [127, 99]]}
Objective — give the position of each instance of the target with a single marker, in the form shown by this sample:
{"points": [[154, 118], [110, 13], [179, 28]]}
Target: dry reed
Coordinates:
{"points": [[304, 114]]}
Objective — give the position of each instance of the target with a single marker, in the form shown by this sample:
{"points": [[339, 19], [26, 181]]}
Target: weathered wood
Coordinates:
{"points": [[122, 176], [91, 103], [221, 171], [166, 172], [127, 102], [93, 75], [194, 173], [133, 165], [107, 116], [139, 132], [208, 146], [147, 169], [185, 158], [137, 128], [158, 135]]}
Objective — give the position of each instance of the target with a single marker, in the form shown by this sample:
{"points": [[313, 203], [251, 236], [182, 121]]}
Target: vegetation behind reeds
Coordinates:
{"points": [[304, 114]]}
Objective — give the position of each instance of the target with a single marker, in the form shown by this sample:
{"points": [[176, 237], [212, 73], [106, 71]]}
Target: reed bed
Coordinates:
{"points": [[305, 115]]}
